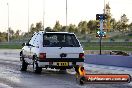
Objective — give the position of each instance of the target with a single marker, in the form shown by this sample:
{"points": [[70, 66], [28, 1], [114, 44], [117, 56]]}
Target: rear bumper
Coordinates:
{"points": [[44, 65], [53, 62], [62, 60]]}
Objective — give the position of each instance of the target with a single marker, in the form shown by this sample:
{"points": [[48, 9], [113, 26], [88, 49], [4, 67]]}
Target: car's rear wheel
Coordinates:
{"points": [[36, 68], [81, 80], [23, 66]]}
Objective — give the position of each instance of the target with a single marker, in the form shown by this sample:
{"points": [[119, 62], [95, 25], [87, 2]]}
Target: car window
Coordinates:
{"points": [[34, 40], [60, 40]]}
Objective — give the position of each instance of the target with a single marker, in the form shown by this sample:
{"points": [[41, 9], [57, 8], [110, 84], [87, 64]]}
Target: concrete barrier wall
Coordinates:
{"points": [[113, 60]]}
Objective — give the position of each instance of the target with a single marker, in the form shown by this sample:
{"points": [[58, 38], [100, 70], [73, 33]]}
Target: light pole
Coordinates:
{"points": [[28, 17], [66, 15], [43, 14], [66, 12], [8, 24], [104, 6]]}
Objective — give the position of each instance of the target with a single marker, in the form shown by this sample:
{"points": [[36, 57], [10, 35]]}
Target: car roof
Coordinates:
{"points": [[43, 32]]}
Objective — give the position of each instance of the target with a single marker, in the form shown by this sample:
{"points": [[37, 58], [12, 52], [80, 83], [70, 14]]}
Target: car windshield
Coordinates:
{"points": [[60, 40]]}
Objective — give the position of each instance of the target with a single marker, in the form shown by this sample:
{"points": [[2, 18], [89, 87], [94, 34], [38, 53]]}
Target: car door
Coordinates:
{"points": [[35, 45], [27, 50]]}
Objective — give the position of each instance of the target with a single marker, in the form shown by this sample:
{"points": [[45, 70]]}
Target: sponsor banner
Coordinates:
{"points": [[107, 78]]}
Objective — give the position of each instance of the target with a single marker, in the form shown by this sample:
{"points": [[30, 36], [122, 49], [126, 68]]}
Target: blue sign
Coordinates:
{"points": [[101, 33], [101, 16]]}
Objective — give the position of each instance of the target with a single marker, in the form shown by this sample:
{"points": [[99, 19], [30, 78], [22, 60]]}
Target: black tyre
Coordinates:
{"points": [[81, 80], [23, 66], [36, 69]]}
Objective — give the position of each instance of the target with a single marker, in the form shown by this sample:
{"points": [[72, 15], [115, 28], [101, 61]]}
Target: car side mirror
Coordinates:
{"points": [[24, 44]]}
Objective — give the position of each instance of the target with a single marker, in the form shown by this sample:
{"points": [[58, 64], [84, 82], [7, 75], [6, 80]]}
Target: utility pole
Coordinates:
{"points": [[66, 12], [8, 24], [43, 14], [66, 15], [28, 17], [104, 7]]}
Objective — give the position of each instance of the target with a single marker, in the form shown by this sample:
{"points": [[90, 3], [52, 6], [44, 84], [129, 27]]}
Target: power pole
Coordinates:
{"points": [[8, 24], [43, 14], [66, 15], [104, 7], [28, 17]]}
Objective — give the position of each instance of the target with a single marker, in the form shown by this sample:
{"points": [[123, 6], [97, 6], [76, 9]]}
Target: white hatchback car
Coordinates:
{"points": [[59, 50]]}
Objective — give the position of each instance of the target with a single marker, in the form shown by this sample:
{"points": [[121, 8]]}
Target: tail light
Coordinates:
{"points": [[81, 55], [42, 56]]}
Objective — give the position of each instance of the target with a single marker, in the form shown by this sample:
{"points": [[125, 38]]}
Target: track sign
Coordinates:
{"points": [[97, 16], [101, 34], [101, 16], [99, 25]]}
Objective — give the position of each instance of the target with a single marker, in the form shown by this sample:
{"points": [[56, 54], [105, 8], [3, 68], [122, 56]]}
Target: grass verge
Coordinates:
{"points": [[10, 46]]}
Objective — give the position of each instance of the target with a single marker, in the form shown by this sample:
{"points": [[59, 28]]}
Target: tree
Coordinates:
{"points": [[57, 26], [118, 26], [82, 26], [38, 27], [11, 32], [91, 26], [3, 36], [17, 34], [48, 29], [63, 28], [72, 28], [130, 27], [113, 24], [32, 28], [124, 21]]}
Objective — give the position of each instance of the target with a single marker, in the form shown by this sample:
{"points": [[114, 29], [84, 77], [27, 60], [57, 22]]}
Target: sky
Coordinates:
{"points": [[55, 10]]}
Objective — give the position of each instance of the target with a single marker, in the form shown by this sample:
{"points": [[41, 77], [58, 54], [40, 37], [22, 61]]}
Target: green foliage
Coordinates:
{"points": [[113, 24], [57, 26], [38, 27], [72, 28], [63, 29], [120, 25], [92, 26], [3, 37], [48, 29], [82, 26], [130, 27]]}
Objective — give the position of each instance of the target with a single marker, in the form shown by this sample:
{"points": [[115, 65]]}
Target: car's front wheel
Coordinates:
{"points": [[23, 66], [36, 68]]}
